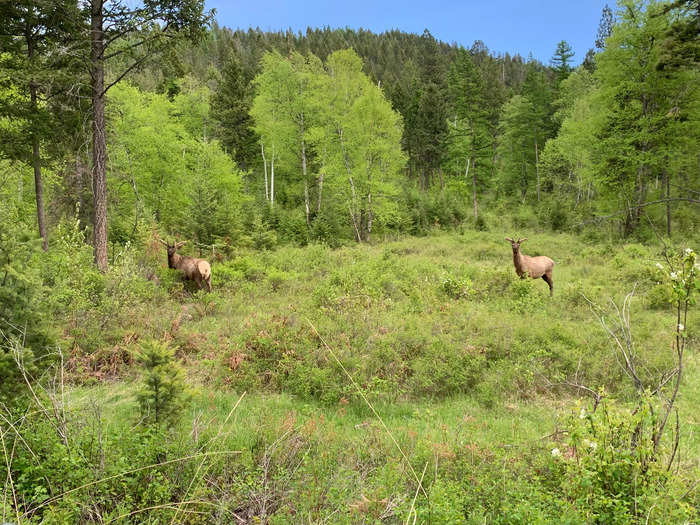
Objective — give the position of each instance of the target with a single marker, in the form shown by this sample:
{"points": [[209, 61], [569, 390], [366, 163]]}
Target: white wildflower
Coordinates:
{"points": [[680, 327], [590, 444], [556, 452], [674, 276], [659, 266], [582, 414], [688, 251]]}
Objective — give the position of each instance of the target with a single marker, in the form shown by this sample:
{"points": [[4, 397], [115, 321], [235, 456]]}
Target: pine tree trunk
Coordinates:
{"points": [[476, 208], [537, 170], [667, 176], [36, 155], [99, 142], [38, 184]]}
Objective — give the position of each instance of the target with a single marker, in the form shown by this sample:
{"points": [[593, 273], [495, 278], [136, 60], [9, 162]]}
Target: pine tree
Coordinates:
{"points": [[111, 24], [605, 27], [37, 58], [470, 136], [230, 108], [162, 394], [645, 116], [561, 61]]}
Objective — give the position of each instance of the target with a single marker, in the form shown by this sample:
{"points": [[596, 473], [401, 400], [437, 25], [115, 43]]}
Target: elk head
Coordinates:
{"points": [[515, 244]]}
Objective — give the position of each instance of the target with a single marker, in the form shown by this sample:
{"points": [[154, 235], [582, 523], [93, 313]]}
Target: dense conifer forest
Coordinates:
{"points": [[366, 352]]}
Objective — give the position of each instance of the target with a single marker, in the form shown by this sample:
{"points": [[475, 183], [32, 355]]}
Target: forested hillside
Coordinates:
{"points": [[367, 353]]}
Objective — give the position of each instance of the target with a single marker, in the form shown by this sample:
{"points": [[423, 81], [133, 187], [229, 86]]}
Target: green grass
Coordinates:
{"points": [[459, 357]]}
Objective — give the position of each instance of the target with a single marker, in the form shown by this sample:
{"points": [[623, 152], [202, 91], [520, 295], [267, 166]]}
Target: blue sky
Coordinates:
{"points": [[504, 25]]}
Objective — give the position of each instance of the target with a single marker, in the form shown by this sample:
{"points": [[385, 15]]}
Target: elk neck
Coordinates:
{"points": [[518, 259], [174, 261]]}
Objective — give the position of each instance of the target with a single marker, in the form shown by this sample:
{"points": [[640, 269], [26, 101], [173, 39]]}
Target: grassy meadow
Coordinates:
{"points": [[413, 381]]}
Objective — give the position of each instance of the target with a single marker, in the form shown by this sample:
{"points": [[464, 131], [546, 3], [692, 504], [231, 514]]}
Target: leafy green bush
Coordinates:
{"points": [[607, 467], [457, 288], [440, 370], [226, 275], [660, 296], [480, 223], [525, 296]]}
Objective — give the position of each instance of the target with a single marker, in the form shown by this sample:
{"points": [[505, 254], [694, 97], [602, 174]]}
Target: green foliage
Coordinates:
{"points": [[151, 135], [525, 296], [161, 395], [608, 468], [25, 331], [341, 120], [561, 60], [231, 104], [466, 363], [457, 288]]}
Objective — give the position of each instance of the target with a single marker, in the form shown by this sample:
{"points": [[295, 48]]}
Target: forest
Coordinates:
{"points": [[272, 277]]}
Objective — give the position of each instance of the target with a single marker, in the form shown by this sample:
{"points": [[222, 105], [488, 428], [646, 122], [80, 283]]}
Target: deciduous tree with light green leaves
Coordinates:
{"points": [[165, 169], [358, 143], [283, 116], [344, 121]]}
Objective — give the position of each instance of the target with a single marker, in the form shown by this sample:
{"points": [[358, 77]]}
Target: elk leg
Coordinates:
{"points": [[548, 279]]}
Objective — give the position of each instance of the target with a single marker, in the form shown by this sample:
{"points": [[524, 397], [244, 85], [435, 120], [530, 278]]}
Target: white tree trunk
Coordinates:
{"points": [[306, 182], [262, 149], [272, 179], [320, 191]]}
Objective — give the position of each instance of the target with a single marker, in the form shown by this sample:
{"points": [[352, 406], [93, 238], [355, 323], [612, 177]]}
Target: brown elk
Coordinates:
{"points": [[534, 267], [197, 270]]}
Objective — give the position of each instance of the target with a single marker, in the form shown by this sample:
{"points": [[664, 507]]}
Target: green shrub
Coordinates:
{"points": [[251, 268], [524, 295], [480, 223], [442, 370], [225, 275], [326, 229], [277, 278], [457, 288], [607, 467], [447, 504], [660, 296]]}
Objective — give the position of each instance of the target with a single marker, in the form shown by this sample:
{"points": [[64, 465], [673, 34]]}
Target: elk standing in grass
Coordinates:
{"points": [[197, 270], [535, 267]]}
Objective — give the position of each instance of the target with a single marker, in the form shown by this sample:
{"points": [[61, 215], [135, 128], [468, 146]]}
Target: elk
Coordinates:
{"points": [[197, 270], [535, 267]]}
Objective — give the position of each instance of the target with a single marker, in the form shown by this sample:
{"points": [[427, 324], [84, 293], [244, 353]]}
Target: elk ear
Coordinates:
{"points": [[522, 240], [162, 241], [509, 239], [180, 245]]}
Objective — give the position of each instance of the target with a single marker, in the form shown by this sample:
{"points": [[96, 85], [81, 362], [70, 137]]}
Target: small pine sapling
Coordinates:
{"points": [[162, 394]]}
